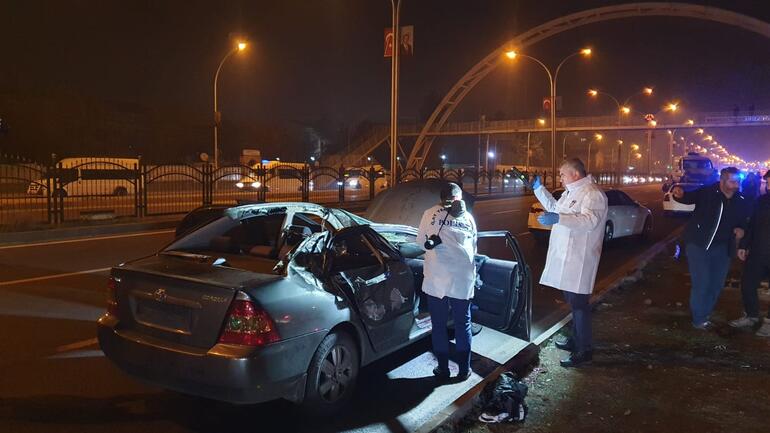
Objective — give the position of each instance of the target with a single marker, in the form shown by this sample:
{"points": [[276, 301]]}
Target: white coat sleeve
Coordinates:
{"points": [[546, 199], [593, 213]]}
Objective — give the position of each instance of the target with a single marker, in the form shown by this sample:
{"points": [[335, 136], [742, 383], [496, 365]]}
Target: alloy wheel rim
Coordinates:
{"points": [[336, 374]]}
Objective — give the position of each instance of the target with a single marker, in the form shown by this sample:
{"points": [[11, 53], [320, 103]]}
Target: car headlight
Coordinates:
{"points": [[239, 184], [353, 182], [256, 184]]}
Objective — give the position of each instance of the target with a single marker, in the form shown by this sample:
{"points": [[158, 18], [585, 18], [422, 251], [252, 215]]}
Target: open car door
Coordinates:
{"points": [[377, 281], [504, 300]]}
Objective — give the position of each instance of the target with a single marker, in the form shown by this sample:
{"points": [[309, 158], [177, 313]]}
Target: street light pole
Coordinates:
{"points": [[395, 9], [217, 115]]}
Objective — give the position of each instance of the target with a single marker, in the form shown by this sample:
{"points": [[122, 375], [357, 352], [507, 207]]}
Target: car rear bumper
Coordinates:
{"points": [[226, 372]]}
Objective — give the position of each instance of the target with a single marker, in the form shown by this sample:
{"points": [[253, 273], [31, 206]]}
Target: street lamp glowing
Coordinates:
{"points": [[241, 46], [690, 122], [511, 54], [653, 123], [647, 91], [672, 107], [708, 138], [634, 147], [491, 154], [541, 122], [598, 137], [638, 156], [443, 157], [625, 110], [699, 131], [312, 158], [586, 52], [592, 92]]}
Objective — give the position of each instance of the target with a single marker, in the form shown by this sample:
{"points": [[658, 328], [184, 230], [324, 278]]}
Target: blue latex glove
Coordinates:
{"points": [[548, 218], [537, 183]]}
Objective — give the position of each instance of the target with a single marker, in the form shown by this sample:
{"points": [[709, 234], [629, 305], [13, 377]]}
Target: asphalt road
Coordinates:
{"points": [[54, 378]]}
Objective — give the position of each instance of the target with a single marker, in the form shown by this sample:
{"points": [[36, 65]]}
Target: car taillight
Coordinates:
{"points": [[112, 297], [248, 325]]}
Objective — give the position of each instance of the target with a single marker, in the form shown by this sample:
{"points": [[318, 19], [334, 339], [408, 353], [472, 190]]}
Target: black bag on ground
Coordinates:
{"points": [[504, 400]]}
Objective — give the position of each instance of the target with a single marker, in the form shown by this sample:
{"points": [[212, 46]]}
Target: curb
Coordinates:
{"points": [[457, 410], [85, 231]]}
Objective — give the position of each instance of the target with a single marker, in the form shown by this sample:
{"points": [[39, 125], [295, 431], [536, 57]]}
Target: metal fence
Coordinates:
{"points": [[104, 188]]}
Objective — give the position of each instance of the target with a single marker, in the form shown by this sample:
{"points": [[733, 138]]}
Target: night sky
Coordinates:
{"points": [[68, 66]]}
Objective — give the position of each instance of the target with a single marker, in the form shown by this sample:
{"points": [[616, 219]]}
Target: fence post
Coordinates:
{"points": [[341, 183], [144, 189], [305, 182], [372, 181], [48, 186], [208, 184], [502, 181]]}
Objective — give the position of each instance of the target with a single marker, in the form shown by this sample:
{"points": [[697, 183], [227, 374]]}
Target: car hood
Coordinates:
{"points": [[405, 203]]}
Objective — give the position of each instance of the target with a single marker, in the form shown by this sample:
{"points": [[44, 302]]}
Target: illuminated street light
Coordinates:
{"points": [[690, 122], [625, 110], [240, 46], [491, 154], [592, 92], [634, 147], [673, 106], [443, 157], [699, 131], [541, 122], [647, 91], [552, 78]]}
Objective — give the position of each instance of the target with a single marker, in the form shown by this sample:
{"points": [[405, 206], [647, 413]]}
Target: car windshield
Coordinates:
{"points": [[349, 219], [696, 164]]}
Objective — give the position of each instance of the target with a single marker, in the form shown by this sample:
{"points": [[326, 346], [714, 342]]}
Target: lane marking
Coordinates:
{"points": [[98, 238], [51, 277], [76, 345], [506, 211]]}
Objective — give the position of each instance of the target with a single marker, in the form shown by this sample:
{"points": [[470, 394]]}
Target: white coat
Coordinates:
{"points": [[576, 240], [449, 268]]}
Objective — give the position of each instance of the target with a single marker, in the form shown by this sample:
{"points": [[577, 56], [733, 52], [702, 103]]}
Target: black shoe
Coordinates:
{"points": [[576, 358], [463, 376], [565, 343], [440, 373]]}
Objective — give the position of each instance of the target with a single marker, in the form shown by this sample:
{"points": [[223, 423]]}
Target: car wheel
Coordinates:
{"points": [[609, 232], [647, 229], [332, 375]]}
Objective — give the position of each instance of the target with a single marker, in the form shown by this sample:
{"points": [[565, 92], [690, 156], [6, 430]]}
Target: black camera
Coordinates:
{"points": [[432, 242]]}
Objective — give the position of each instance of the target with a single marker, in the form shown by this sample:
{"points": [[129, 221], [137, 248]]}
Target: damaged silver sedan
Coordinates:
{"points": [[285, 301]]}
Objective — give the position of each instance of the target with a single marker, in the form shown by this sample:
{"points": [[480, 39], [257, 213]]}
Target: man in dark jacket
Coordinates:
{"points": [[710, 239], [755, 250]]}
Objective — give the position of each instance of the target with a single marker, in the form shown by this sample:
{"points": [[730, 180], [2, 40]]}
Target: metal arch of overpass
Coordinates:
{"points": [[471, 78]]}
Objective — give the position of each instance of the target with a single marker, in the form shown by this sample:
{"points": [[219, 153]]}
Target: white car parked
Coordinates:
{"points": [[625, 217], [673, 207]]}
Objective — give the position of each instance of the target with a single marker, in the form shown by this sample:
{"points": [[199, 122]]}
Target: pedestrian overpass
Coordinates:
{"points": [[379, 134]]}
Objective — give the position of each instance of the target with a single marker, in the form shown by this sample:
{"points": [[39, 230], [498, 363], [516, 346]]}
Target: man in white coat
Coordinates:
{"points": [[578, 220], [450, 276]]}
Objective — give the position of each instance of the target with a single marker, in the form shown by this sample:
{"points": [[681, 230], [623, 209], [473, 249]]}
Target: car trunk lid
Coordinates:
{"points": [[179, 299]]}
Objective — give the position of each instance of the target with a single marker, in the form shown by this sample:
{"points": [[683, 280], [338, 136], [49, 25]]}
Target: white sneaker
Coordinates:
{"points": [[744, 322], [764, 331]]}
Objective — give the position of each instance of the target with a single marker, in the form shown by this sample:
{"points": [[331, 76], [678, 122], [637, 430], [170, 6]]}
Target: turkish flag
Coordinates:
{"points": [[389, 42]]}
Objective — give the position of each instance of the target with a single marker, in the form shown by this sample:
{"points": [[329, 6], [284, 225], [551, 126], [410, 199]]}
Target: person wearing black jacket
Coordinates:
{"points": [[710, 238], [755, 250]]}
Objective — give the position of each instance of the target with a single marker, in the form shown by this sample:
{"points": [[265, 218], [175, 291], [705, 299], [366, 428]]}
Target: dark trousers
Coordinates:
{"points": [[581, 320], [757, 268], [439, 317], [708, 270]]}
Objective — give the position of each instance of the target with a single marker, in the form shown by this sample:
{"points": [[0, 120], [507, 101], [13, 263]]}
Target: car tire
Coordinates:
{"points": [[332, 375], [609, 231], [647, 228]]}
